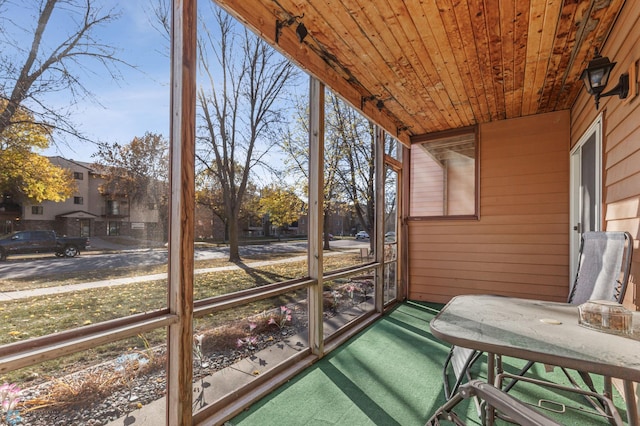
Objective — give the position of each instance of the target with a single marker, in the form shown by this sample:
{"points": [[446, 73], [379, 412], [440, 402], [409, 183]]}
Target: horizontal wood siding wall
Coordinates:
{"points": [[520, 245], [621, 140]]}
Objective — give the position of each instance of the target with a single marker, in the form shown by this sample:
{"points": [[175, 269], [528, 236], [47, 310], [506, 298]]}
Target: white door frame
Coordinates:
{"points": [[576, 202]]}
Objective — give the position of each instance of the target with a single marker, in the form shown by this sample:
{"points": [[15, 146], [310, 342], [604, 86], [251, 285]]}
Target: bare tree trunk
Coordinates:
{"points": [[325, 231], [234, 252]]}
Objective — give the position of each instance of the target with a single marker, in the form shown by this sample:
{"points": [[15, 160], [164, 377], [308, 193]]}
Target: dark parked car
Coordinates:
{"points": [[22, 242]]}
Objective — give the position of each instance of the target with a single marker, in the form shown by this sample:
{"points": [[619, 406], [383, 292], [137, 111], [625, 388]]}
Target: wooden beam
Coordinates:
{"points": [[541, 34], [181, 211], [521, 28], [562, 52], [50, 347], [378, 238], [399, 61], [463, 43], [507, 34], [316, 210], [441, 45]]}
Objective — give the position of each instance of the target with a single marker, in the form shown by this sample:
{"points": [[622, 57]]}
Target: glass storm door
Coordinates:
{"points": [[586, 184]]}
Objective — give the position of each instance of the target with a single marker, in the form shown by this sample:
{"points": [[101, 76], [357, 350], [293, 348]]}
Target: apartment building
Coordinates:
{"points": [[89, 212]]}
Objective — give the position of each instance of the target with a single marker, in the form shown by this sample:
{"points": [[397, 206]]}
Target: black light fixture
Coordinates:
{"points": [[301, 32], [596, 77], [283, 24]]}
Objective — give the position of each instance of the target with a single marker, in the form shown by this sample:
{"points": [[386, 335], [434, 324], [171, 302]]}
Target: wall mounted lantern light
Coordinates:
{"points": [[596, 77]]}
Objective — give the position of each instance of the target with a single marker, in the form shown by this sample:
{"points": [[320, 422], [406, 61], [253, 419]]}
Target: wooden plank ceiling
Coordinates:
{"points": [[422, 66]]}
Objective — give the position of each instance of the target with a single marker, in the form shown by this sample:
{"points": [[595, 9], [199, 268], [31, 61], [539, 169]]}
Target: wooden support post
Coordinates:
{"points": [[316, 196], [181, 211], [403, 237], [379, 217]]}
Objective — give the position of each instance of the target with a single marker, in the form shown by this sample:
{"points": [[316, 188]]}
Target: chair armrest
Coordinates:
{"points": [[517, 410]]}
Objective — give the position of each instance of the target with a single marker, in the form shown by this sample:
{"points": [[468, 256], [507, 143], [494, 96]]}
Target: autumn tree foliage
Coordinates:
{"points": [[137, 171], [24, 173], [281, 204]]}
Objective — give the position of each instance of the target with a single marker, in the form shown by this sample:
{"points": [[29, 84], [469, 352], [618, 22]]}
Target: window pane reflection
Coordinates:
{"points": [[347, 298]]}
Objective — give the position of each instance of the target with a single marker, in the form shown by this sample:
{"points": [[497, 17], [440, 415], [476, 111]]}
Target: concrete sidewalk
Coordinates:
{"points": [[23, 294]]}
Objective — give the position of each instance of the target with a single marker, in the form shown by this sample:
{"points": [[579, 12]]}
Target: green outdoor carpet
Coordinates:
{"points": [[389, 374]]}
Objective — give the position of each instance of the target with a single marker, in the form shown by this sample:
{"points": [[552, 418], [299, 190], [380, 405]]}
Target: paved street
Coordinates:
{"points": [[96, 258], [41, 266]]}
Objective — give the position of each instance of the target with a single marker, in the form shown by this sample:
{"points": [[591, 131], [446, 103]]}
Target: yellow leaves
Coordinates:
{"points": [[35, 176], [17, 334], [24, 134], [41, 180], [87, 322], [22, 169], [282, 205]]}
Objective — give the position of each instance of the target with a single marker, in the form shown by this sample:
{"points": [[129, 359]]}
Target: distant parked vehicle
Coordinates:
{"points": [[23, 242], [390, 237], [362, 235]]}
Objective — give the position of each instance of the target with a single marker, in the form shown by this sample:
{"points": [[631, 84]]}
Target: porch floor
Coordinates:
{"points": [[390, 374]]}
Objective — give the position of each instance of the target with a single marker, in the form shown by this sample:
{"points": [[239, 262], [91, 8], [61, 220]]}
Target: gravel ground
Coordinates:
{"points": [[148, 387]]}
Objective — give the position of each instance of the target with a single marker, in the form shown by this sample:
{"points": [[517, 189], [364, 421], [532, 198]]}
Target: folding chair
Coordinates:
{"points": [[514, 409], [604, 264], [459, 361], [506, 406]]}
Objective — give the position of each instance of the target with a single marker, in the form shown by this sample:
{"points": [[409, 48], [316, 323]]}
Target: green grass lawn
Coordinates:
{"points": [[38, 316]]}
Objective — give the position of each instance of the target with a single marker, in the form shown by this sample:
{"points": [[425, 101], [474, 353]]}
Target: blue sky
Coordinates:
{"points": [[122, 109], [140, 102]]}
